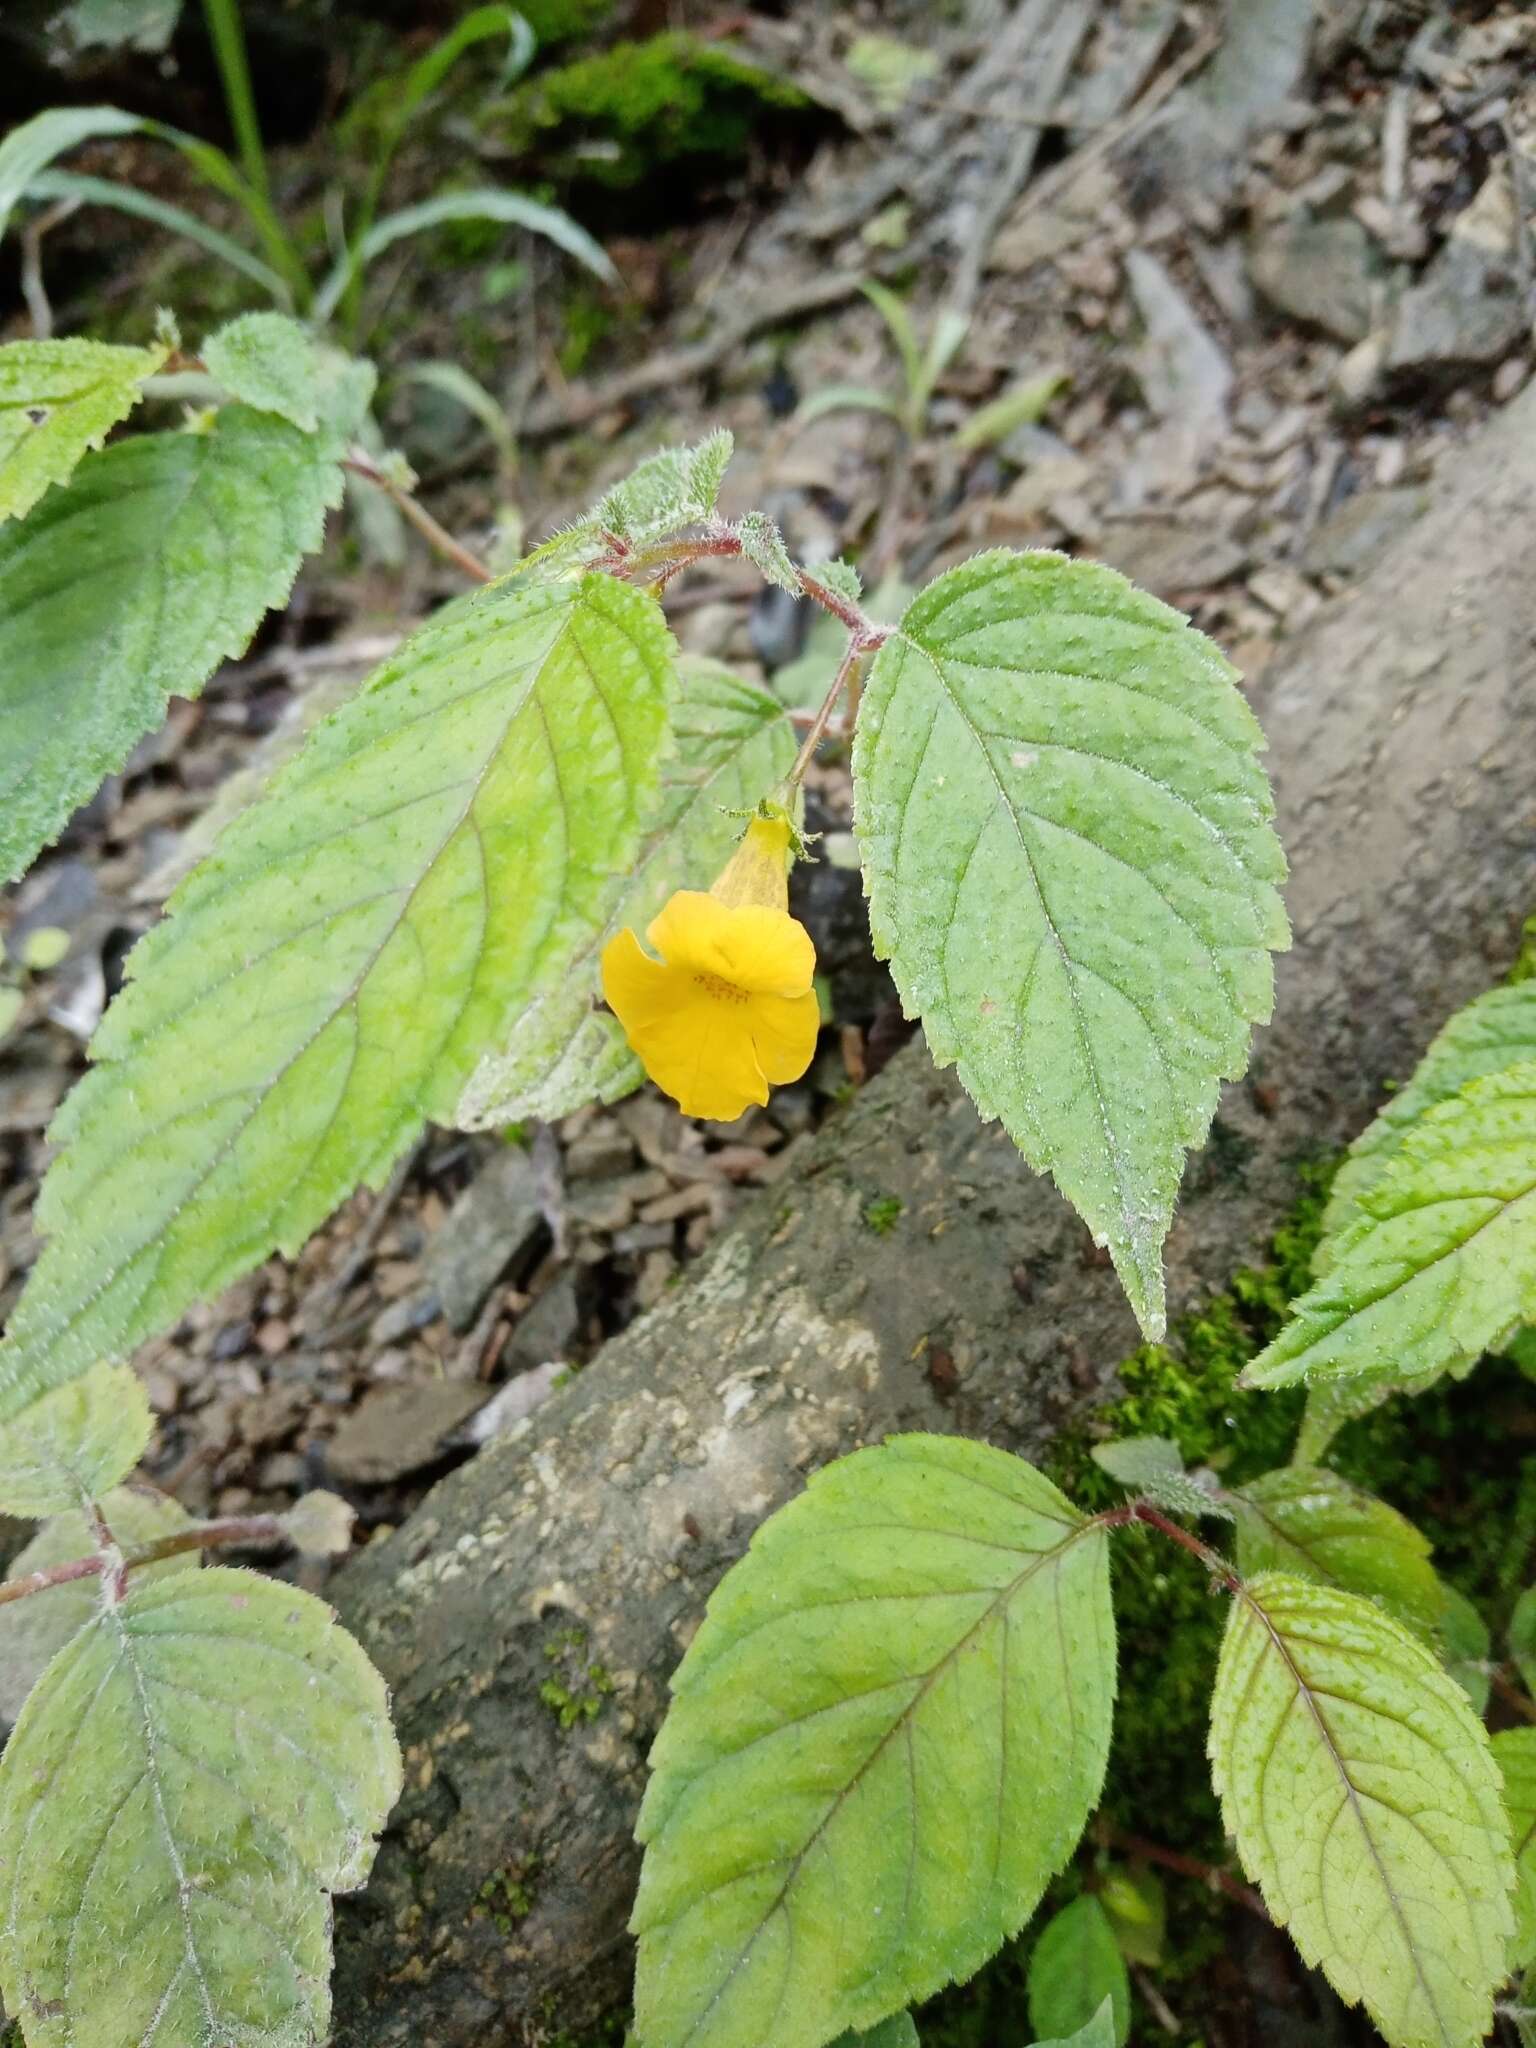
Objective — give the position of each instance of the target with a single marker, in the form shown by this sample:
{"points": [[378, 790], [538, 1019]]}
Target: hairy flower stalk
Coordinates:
{"points": [[728, 1009]]}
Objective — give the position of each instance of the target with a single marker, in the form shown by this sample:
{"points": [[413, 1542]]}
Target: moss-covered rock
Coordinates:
{"points": [[613, 118]]}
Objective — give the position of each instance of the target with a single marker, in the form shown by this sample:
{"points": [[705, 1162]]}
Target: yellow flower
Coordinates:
{"points": [[728, 1008]]}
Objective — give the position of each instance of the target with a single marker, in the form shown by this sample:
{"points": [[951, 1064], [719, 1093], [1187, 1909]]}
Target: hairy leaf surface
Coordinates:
{"points": [[1154, 1466], [167, 1876], [57, 400], [733, 744], [440, 850], [846, 1807], [1514, 1751], [1442, 1261], [1310, 1522], [129, 585], [1071, 868], [1363, 1797], [1496, 1031], [35, 1629], [267, 361], [1076, 1965], [69, 1447]]}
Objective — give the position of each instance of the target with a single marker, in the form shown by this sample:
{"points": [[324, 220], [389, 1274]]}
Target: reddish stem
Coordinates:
{"points": [[113, 1565], [1154, 1518], [1208, 1874], [51, 1575]]}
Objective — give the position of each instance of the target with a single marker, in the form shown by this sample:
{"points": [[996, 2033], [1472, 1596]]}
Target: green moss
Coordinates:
{"points": [[612, 118], [507, 1895], [883, 1213], [576, 1690]]}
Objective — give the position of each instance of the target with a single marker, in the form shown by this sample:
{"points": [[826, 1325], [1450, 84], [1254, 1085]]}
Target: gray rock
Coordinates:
{"points": [[598, 1153], [1191, 152], [398, 1430], [1464, 313], [543, 1332], [1325, 272], [1359, 531], [1167, 558], [492, 1228], [400, 1318]]}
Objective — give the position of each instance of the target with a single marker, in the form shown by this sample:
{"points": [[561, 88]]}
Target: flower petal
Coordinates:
{"points": [[763, 951], [695, 1046], [784, 1032]]}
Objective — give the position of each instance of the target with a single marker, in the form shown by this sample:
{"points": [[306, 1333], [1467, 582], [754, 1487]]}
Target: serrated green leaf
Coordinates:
{"points": [[845, 579], [171, 1875], [129, 585], [1363, 1797], [35, 143], [1154, 1466], [1098, 2032], [69, 1447], [1071, 868], [1134, 1460], [672, 488], [899, 2031], [1514, 1751], [1076, 1965], [1466, 1647], [1521, 1637], [1493, 1033], [34, 1630], [267, 361], [846, 1809], [763, 545], [733, 745], [708, 460], [327, 981], [1312, 1523], [1442, 1261], [57, 400]]}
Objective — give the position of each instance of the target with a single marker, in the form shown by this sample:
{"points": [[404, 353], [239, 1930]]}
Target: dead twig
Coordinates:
{"points": [[1130, 123], [1063, 28]]}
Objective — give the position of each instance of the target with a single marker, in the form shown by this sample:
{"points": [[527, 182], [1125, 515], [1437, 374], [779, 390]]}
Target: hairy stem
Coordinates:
{"points": [[50, 1575], [435, 535], [852, 654], [246, 1531], [1154, 1518], [662, 560]]}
